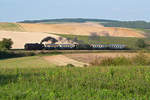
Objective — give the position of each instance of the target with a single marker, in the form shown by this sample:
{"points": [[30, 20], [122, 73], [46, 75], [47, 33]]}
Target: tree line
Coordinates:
{"points": [[129, 24]]}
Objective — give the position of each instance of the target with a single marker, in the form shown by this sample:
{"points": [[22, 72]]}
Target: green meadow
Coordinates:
{"points": [[32, 78]]}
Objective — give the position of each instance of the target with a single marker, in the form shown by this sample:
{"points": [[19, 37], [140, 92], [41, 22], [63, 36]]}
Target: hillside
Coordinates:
{"points": [[10, 27], [81, 29], [67, 20], [22, 33], [72, 29], [105, 22]]}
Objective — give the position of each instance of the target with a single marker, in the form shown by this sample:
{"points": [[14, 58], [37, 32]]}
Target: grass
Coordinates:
{"points": [[129, 41], [22, 62], [10, 27], [32, 78], [94, 83], [141, 59]]}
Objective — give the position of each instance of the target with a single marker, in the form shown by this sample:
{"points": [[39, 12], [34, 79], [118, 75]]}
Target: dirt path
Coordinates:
{"points": [[62, 60]]}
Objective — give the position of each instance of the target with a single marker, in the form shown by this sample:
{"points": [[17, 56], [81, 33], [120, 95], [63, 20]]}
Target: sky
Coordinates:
{"points": [[19, 10]]}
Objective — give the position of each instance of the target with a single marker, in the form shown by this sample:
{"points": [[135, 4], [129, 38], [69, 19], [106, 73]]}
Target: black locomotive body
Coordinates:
{"points": [[36, 46], [33, 46]]}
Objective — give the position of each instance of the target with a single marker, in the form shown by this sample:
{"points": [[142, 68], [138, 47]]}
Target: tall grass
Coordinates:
{"points": [[139, 59], [97, 83]]}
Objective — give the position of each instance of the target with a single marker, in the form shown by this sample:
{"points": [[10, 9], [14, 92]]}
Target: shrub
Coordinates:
{"points": [[5, 44], [28, 54], [141, 59], [141, 43], [115, 61]]}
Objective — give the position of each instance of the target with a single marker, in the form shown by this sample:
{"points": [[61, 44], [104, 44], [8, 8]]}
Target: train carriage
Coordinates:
{"points": [[51, 46], [99, 46], [116, 46], [67, 46], [36, 46]]}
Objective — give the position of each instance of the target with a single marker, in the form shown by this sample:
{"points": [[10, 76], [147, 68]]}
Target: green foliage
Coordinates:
{"points": [[128, 24], [118, 61], [6, 44], [24, 62], [67, 20], [107, 23], [103, 83], [141, 43], [5, 54], [140, 59]]}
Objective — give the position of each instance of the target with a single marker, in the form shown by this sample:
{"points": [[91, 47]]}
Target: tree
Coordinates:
{"points": [[6, 44], [141, 43]]}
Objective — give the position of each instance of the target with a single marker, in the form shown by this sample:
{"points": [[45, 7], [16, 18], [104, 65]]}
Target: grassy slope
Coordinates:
{"points": [[10, 27], [29, 62], [32, 78], [129, 41], [95, 83]]}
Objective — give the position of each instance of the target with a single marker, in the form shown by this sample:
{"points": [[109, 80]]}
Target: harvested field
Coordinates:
{"points": [[62, 60], [81, 29], [20, 38]]}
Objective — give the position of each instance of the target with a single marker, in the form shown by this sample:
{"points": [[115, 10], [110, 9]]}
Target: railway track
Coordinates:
{"points": [[71, 51]]}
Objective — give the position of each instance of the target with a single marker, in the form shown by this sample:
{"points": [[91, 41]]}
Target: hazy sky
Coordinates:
{"points": [[18, 10]]}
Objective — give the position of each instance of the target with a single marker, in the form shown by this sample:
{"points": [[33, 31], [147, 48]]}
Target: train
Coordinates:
{"points": [[37, 46]]}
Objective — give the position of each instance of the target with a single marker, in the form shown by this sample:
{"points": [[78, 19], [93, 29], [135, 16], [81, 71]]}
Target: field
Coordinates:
{"points": [[60, 59], [24, 62], [93, 83], [21, 38], [72, 28], [70, 75], [81, 29], [10, 27], [22, 33], [46, 77]]}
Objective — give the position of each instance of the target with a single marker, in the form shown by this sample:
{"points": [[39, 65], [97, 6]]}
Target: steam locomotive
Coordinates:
{"points": [[37, 46]]}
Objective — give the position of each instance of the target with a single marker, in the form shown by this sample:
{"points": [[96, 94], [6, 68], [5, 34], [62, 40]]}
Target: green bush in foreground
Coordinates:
{"points": [[97, 83]]}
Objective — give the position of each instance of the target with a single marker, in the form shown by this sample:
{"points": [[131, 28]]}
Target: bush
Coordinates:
{"points": [[115, 61], [5, 44], [139, 59], [141, 43]]}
